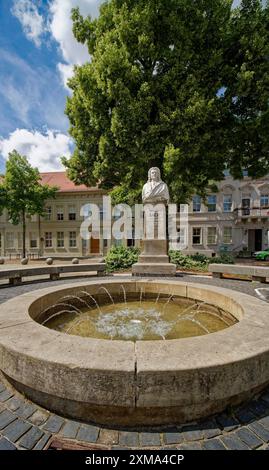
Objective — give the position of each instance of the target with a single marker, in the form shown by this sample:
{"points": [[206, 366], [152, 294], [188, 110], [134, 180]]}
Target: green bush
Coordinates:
{"points": [[200, 258], [224, 258], [195, 262], [120, 257]]}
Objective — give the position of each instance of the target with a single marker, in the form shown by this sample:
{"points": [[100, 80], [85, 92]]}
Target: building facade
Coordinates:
{"points": [[58, 233], [235, 219]]}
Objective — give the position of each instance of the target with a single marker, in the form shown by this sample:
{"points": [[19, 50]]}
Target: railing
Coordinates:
{"points": [[254, 212]]}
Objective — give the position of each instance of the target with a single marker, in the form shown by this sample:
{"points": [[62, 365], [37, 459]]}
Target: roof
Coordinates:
{"points": [[64, 184]]}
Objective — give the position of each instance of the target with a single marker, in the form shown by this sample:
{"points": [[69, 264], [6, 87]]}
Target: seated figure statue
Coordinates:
{"points": [[155, 191]]}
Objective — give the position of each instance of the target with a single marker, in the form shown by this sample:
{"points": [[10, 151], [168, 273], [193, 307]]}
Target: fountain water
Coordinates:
{"points": [[124, 294], [107, 292], [93, 299], [76, 298]]}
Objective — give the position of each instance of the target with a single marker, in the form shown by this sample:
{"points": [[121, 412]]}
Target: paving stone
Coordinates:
{"points": [[39, 417], [190, 446], [29, 440], [264, 422], [261, 432], [173, 438], [2, 387], [210, 429], [53, 424], [14, 403], [258, 408], [248, 437], [213, 444], [150, 439], [128, 439], [227, 422], [233, 443], [88, 433], [6, 417], [6, 445], [5, 395], [108, 437], [70, 429], [192, 434], [245, 416], [26, 410], [43, 442], [16, 429]]}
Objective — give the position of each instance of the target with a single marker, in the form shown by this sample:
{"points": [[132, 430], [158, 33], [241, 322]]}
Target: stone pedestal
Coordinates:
{"points": [[154, 260]]}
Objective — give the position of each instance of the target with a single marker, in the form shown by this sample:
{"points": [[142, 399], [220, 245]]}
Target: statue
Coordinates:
{"points": [[154, 259], [155, 190]]}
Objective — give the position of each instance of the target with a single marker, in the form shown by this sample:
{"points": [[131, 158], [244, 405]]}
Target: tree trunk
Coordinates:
{"points": [[23, 235]]}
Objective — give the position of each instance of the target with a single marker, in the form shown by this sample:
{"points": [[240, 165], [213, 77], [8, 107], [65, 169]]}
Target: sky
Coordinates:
{"points": [[37, 55]]}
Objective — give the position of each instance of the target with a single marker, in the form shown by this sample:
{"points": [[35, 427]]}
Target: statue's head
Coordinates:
{"points": [[154, 174]]}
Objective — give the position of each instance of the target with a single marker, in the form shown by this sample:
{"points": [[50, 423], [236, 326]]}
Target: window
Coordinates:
{"points": [[72, 213], [212, 203], [227, 202], [246, 204], [33, 240], [72, 239], [48, 213], [48, 240], [60, 213], [245, 173], [60, 239], [212, 235], [196, 204], [196, 236], [227, 235], [264, 200], [10, 240]]}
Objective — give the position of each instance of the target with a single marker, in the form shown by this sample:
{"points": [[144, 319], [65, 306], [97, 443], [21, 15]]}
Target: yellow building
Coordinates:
{"points": [[56, 234]]}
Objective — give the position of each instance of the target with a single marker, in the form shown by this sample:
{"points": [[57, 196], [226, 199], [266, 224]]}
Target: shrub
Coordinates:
{"points": [[121, 257], [223, 258], [193, 262], [200, 258]]}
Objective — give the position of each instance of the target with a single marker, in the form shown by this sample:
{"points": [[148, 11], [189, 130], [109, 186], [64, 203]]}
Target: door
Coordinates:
{"points": [[258, 240], [95, 246]]}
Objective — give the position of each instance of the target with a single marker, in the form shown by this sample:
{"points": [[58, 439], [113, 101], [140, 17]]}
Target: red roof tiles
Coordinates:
{"points": [[64, 184]]}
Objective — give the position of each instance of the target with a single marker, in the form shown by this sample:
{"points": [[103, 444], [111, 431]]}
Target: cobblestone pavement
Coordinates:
{"points": [[25, 425]]}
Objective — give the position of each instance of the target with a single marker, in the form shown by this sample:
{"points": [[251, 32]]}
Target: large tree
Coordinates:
{"points": [[21, 192], [180, 84]]}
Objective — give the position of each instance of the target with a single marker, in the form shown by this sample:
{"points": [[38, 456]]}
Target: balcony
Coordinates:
{"points": [[251, 214]]}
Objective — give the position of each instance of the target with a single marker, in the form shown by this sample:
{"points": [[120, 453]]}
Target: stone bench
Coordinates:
{"points": [[256, 273], [15, 275]]}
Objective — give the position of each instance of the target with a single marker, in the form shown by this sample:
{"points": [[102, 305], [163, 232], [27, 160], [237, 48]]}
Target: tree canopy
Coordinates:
{"points": [[21, 192], [179, 84]]}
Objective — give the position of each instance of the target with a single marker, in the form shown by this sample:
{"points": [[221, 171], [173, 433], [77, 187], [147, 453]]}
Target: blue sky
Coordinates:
{"points": [[37, 54]]}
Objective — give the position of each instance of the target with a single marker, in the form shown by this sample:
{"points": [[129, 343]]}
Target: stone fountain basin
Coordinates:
{"points": [[142, 383]]}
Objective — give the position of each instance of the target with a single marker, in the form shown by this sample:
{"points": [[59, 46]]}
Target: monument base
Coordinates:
{"points": [[154, 260], [154, 269]]}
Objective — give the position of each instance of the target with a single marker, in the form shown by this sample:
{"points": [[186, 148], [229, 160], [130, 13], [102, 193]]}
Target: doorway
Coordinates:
{"points": [[95, 246], [255, 240]]}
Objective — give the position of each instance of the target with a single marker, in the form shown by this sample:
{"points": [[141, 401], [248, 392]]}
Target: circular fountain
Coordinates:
{"points": [[191, 350]]}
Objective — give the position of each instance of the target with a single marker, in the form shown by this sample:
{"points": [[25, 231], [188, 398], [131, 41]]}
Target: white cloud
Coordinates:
{"points": [[42, 150], [66, 72], [72, 52], [32, 22], [25, 90]]}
